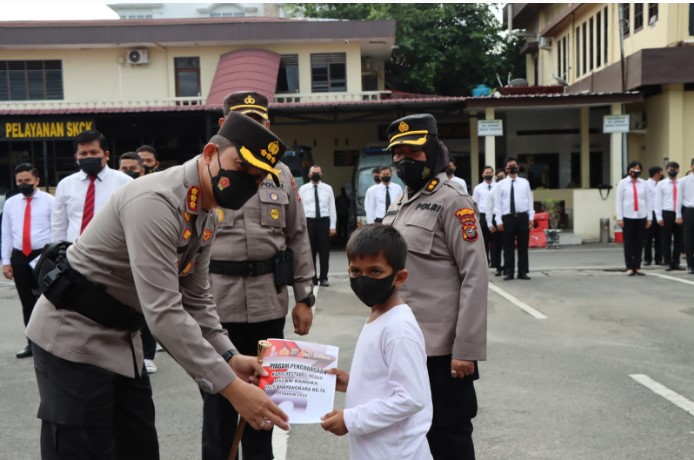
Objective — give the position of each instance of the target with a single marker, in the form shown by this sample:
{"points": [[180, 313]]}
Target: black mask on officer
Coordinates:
{"points": [[386, 179], [26, 189], [373, 291], [133, 174], [232, 189], [449, 171], [672, 173], [148, 169], [315, 177], [488, 177], [91, 166], [377, 179]]}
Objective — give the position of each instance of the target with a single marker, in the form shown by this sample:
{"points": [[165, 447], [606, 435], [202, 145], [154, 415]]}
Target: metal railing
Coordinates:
{"points": [[102, 104], [332, 97]]}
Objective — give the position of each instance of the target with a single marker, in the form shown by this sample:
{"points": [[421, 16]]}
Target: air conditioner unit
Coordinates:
{"points": [[545, 43], [138, 57]]}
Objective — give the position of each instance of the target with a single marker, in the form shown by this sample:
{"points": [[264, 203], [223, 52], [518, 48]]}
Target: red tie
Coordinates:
{"points": [[636, 197], [88, 212], [674, 196], [26, 233]]}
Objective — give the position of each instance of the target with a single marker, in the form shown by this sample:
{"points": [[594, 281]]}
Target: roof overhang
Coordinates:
{"points": [[552, 100]]}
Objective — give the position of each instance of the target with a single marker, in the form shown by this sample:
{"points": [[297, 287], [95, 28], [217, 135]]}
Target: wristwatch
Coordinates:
{"points": [[230, 354], [310, 300]]}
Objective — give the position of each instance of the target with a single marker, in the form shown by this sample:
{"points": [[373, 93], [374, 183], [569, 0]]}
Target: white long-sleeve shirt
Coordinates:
{"points": [[687, 187], [664, 198], [66, 221], [652, 184], [13, 222], [326, 201], [375, 200], [388, 406], [461, 181], [522, 197], [480, 194], [625, 199]]}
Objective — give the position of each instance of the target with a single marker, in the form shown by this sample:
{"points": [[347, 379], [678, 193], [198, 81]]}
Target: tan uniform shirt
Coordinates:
{"points": [[447, 285], [272, 221], [150, 246]]}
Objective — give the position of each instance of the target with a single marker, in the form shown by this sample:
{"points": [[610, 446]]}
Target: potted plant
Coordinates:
{"points": [[554, 209]]}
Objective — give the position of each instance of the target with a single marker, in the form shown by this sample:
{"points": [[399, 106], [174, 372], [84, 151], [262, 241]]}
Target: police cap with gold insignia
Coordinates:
{"points": [[412, 130], [246, 102], [257, 145]]}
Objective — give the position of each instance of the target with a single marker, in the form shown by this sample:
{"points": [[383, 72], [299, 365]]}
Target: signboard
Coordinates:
{"points": [[490, 128], [31, 130], [615, 124]]}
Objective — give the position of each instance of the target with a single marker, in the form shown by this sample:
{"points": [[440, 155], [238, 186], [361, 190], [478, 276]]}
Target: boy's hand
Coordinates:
{"points": [[334, 422], [342, 378]]}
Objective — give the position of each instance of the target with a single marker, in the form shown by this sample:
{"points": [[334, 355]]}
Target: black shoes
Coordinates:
{"points": [[508, 277], [498, 273], [673, 267], [647, 263], [524, 276], [690, 270], [324, 283], [24, 352]]}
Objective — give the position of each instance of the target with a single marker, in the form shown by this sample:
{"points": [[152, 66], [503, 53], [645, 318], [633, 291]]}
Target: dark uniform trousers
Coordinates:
{"points": [[486, 235], [455, 405], [516, 228], [220, 417], [89, 413], [149, 343], [688, 215], [24, 280], [497, 246], [652, 243], [319, 236], [633, 232], [668, 232]]}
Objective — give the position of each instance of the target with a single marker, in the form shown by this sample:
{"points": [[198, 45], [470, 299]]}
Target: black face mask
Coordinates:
{"points": [[487, 178], [672, 173], [148, 169], [413, 173], [372, 291], [315, 177], [232, 189], [377, 179], [386, 179], [91, 166], [133, 174], [634, 174], [513, 169], [450, 171], [26, 189]]}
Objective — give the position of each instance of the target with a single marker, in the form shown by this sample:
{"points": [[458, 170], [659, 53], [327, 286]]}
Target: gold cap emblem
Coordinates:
{"points": [[273, 147], [249, 100], [403, 127]]}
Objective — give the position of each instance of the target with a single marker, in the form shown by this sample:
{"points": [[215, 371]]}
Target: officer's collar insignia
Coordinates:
{"points": [[207, 234], [187, 216], [432, 184], [187, 234], [274, 213], [223, 183], [249, 100], [187, 269], [220, 214], [425, 172], [273, 196], [403, 127], [193, 200]]}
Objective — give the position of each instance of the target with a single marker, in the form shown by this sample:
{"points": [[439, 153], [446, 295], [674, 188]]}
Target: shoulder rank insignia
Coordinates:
{"points": [[193, 198], [187, 234], [220, 214], [187, 216], [187, 269], [207, 234], [432, 184]]}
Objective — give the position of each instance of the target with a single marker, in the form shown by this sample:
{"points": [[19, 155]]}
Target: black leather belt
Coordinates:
{"points": [[516, 214], [245, 269]]}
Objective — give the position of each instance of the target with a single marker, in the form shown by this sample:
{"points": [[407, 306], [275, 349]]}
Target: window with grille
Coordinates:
{"points": [[328, 72], [288, 74], [31, 80], [652, 13], [627, 19], [187, 70], [638, 16]]}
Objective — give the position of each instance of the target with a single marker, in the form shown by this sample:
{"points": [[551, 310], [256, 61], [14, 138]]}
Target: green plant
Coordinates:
{"points": [[554, 208]]}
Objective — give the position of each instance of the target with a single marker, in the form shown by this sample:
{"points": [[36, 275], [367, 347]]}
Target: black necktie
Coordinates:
{"points": [[489, 187], [513, 199], [387, 201], [315, 195]]}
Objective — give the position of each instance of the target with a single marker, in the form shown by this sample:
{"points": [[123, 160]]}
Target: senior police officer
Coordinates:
{"points": [[447, 286], [258, 251], [145, 257]]}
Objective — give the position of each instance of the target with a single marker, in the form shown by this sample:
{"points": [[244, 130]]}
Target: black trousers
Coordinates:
{"points": [[149, 343], [652, 243], [342, 227], [688, 230], [516, 228], [669, 232], [219, 416], [319, 236], [455, 405], [633, 232], [24, 281], [89, 413], [497, 246], [486, 235]]}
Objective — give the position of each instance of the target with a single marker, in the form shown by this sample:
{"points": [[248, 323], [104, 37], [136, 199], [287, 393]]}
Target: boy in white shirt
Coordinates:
{"points": [[388, 406]]}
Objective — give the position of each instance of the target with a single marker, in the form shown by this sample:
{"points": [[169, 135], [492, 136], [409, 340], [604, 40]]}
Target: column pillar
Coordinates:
{"points": [[585, 147], [617, 169], [474, 151], [489, 142]]}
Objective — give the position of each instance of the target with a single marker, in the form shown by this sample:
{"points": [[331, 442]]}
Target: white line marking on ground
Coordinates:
{"points": [[672, 278], [661, 390], [522, 305]]}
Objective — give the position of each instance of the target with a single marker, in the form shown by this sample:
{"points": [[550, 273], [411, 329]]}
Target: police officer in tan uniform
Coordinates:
{"points": [[447, 286], [145, 257], [259, 249]]}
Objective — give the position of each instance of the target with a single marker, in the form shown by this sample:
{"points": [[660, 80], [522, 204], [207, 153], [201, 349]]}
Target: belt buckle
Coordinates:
{"points": [[251, 269]]}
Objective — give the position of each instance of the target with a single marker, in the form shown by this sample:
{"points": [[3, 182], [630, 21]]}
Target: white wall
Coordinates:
{"points": [[589, 208]]}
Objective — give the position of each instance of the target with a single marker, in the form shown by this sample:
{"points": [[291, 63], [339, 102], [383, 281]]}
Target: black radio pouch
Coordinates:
{"points": [[284, 269]]}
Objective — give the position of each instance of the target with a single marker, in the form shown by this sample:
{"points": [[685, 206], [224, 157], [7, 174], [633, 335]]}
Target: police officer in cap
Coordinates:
{"points": [[447, 286], [145, 257], [258, 251]]}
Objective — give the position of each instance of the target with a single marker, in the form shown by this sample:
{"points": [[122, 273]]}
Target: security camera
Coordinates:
{"points": [[346, 41]]}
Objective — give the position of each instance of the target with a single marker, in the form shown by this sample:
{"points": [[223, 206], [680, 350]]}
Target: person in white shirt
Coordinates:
{"points": [[321, 218], [668, 213], [376, 174], [687, 188], [497, 235], [450, 173], [81, 195], [388, 408], [380, 196], [653, 244], [26, 229], [479, 196], [514, 213], [634, 210]]}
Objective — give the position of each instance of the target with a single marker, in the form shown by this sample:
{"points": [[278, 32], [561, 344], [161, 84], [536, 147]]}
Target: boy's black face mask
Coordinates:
{"points": [[373, 291]]}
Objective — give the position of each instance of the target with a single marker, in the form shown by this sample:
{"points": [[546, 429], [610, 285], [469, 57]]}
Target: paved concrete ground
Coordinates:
{"points": [[554, 388]]}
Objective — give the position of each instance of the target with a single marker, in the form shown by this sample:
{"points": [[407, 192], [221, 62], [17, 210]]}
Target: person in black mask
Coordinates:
{"points": [[150, 158], [130, 163], [634, 211], [448, 278], [81, 195], [26, 228]]}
